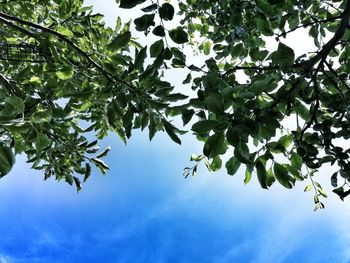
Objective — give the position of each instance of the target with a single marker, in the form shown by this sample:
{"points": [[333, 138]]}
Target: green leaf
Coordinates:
{"points": [[41, 116], [215, 145], [232, 166], [130, 3], [283, 176], [241, 152], [64, 75], [42, 141], [170, 130], [166, 12], [15, 101], [284, 56], [144, 22], [64, 31], [178, 35], [296, 160], [197, 158], [77, 183], [232, 136], [7, 159], [120, 41], [157, 48], [207, 47], [100, 165], [150, 8], [87, 172], [214, 102], [187, 116], [262, 175], [308, 188], [248, 173], [140, 58], [285, 140], [204, 126], [216, 164], [159, 31], [104, 153]]}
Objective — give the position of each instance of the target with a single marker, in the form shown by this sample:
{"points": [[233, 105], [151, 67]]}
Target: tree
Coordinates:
{"points": [[92, 78]]}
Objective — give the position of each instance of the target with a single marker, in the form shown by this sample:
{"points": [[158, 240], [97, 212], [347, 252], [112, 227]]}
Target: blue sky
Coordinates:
{"points": [[143, 210]]}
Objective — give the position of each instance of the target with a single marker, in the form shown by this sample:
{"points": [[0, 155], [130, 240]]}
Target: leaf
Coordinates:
{"points": [[178, 35], [296, 160], [100, 164], [144, 22], [7, 159], [197, 158], [204, 126], [285, 140], [215, 145], [77, 183], [130, 3], [42, 141], [232, 136], [282, 175], [232, 166], [241, 152], [157, 48], [334, 179], [64, 31], [104, 153], [207, 47], [166, 12], [216, 164], [159, 31], [170, 130], [41, 116], [87, 172], [187, 116], [284, 56], [120, 41], [262, 175], [248, 173], [140, 58], [308, 188], [15, 101], [214, 102], [65, 75], [150, 8]]}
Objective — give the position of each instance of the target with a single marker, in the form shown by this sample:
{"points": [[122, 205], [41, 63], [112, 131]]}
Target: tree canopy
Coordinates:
{"points": [[64, 75]]}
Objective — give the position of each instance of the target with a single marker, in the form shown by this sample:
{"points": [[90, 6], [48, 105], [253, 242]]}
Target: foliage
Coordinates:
{"points": [[287, 120]]}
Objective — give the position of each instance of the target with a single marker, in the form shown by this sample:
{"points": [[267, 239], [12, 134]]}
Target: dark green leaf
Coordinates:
{"points": [[7, 159], [232, 166], [156, 48], [120, 41], [144, 22], [204, 126], [166, 11], [215, 145], [241, 152], [170, 130], [159, 31], [262, 174], [130, 3], [178, 35], [283, 176]]}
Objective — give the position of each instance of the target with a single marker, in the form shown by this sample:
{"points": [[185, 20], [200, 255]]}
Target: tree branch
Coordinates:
{"points": [[108, 76], [60, 36], [283, 34], [323, 53]]}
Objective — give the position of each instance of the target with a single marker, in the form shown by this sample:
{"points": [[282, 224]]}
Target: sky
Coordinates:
{"points": [[143, 210]]}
